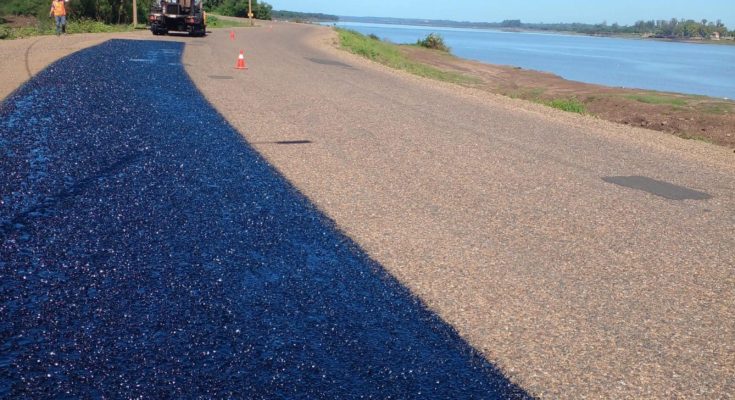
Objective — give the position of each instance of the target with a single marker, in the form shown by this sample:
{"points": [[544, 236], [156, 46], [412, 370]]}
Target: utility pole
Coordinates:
{"points": [[250, 11], [135, 14]]}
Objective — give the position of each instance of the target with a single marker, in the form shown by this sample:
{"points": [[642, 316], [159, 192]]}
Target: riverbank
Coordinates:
{"points": [[687, 116]]}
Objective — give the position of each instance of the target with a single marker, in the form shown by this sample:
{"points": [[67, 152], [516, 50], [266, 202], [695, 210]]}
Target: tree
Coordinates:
{"points": [[262, 10], [239, 8]]}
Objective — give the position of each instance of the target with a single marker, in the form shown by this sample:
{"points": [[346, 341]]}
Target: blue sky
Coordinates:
{"points": [[624, 12]]}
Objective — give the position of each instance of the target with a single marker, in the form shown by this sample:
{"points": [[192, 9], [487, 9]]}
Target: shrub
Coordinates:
{"points": [[373, 36], [433, 41]]}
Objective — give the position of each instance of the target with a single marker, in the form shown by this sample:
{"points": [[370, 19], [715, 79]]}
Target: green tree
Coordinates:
{"points": [[239, 8], [263, 11]]}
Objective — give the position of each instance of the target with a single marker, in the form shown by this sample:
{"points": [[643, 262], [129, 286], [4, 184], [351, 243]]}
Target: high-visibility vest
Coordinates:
{"points": [[58, 8]]}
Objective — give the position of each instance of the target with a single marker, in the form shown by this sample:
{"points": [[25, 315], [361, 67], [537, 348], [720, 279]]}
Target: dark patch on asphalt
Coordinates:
{"points": [[329, 62], [152, 252], [28, 56], [220, 76], [659, 188], [286, 142], [293, 142]]}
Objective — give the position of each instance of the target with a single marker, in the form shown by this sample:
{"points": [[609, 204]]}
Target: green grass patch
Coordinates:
{"points": [[716, 108], [568, 105], [695, 137], [526, 93], [658, 99], [91, 26], [214, 22], [72, 26], [534, 93], [390, 55]]}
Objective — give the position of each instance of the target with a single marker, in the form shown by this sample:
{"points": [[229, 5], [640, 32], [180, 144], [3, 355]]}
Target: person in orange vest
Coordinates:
{"points": [[58, 11]]}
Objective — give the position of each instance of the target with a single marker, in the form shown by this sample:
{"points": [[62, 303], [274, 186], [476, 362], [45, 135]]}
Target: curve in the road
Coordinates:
{"points": [[146, 249]]}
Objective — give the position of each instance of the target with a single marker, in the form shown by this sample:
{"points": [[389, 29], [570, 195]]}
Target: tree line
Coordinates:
{"points": [[293, 15], [681, 28], [673, 28], [107, 11]]}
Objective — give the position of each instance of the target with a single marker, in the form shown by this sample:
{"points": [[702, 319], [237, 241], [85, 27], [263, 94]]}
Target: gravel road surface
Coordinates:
{"points": [[582, 258], [504, 216]]}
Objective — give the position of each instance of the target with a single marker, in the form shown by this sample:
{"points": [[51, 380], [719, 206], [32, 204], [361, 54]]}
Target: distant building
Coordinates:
{"points": [[715, 36]]}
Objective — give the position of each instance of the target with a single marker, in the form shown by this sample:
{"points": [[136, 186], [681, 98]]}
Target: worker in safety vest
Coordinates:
{"points": [[58, 11]]}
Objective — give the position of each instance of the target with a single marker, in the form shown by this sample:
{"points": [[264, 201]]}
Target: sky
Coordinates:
{"points": [[624, 12]]}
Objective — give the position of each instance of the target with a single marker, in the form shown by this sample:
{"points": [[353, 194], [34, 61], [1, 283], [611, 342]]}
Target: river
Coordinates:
{"points": [[703, 69]]}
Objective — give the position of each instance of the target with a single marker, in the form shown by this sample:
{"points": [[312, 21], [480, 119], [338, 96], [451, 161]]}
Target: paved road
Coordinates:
{"points": [[148, 251], [510, 221], [504, 216]]}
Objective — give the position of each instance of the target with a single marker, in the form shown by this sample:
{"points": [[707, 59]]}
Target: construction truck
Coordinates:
{"points": [[178, 16]]}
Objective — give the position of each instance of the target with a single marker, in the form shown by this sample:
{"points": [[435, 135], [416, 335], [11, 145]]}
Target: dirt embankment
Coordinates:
{"points": [[687, 116]]}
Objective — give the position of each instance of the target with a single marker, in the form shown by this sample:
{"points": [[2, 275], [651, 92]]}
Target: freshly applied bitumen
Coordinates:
{"points": [[147, 250]]}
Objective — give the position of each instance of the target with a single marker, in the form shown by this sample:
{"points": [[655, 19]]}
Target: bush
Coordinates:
{"points": [[5, 32], [373, 36], [433, 41]]}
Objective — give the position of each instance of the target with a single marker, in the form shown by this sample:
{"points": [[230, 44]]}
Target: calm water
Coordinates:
{"points": [[674, 67]]}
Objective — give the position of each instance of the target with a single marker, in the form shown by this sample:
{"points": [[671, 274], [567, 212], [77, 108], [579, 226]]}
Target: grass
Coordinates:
{"points": [[46, 27], [695, 137], [72, 26], [658, 99], [214, 22], [533, 94], [568, 105], [390, 55], [716, 108], [91, 26]]}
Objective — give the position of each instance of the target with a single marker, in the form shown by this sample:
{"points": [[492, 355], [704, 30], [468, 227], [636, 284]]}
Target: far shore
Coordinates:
{"points": [[726, 40]]}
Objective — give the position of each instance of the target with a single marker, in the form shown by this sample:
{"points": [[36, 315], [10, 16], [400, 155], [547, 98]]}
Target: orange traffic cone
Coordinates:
{"points": [[241, 61], [232, 35]]}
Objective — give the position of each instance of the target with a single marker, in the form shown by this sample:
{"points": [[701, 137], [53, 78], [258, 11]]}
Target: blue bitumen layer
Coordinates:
{"points": [[146, 249]]}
